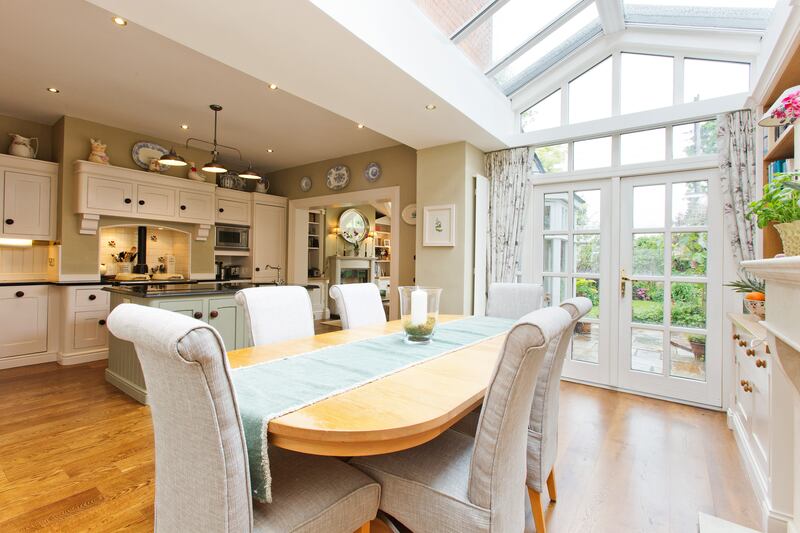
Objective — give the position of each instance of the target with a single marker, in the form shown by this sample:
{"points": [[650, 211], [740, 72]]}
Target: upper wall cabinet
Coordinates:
{"points": [[28, 192], [104, 190], [233, 207]]}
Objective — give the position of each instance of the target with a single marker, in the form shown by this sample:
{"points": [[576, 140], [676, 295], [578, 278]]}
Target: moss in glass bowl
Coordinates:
{"points": [[420, 330]]}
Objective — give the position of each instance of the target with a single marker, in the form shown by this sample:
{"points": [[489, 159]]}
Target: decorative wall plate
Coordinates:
{"points": [[305, 184], [409, 214], [338, 177], [372, 172], [143, 151]]}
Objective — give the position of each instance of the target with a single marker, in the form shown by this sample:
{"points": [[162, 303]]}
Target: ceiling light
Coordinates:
{"points": [[249, 174], [119, 21], [172, 159], [430, 107], [269, 150], [184, 126], [53, 90], [273, 86], [361, 126], [214, 165]]}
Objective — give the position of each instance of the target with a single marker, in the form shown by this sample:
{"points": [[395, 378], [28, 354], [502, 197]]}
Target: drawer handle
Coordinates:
{"points": [[92, 297], [9, 221], [743, 383], [747, 388], [101, 322], [221, 210], [751, 352], [141, 202], [213, 314], [198, 315], [128, 200], [736, 336], [19, 294], [761, 363], [742, 343], [183, 208]]}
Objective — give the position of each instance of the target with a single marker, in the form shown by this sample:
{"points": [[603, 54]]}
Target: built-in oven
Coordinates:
{"points": [[232, 238]]}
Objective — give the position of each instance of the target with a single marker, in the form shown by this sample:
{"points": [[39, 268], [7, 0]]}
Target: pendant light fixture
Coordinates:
{"points": [[249, 174], [172, 159]]}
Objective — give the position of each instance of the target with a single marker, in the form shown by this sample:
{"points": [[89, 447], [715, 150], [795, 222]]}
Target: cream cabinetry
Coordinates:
{"points": [[269, 238], [104, 190], [319, 298], [24, 312], [28, 191], [233, 207], [84, 335]]}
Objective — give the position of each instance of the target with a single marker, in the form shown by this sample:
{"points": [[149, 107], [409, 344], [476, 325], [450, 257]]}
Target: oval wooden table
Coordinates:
{"points": [[393, 413]]}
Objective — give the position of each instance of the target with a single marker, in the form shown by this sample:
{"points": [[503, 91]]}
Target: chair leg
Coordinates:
{"points": [[536, 509], [551, 484]]}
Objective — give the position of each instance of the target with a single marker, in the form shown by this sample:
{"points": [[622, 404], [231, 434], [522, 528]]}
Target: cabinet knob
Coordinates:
{"points": [[92, 297], [19, 294], [127, 200], [214, 314], [751, 352], [747, 388], [742, 343], [221, 210], [743, 383], [141, 202], [183, 208], [101, 322], [761, 363], [9, 221], [258, 269], [736, 336], [198, 315]]}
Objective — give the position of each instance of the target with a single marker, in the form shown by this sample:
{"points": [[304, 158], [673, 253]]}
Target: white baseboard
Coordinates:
{"points": [[82, 357], [14, 361]]}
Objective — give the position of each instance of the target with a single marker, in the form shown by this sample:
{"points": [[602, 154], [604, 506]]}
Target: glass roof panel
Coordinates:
{"points": [[734, 14], [509, 28], [450, 16]]}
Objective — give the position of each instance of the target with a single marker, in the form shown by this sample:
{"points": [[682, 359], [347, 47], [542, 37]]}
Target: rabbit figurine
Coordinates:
{"points": [[98, 154]]}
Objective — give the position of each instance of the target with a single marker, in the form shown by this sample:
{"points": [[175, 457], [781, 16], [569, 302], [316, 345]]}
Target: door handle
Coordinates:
{"points": [[623, 282]]}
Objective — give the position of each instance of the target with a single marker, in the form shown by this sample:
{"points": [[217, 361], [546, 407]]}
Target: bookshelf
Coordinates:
{"points": [[316, 229]]}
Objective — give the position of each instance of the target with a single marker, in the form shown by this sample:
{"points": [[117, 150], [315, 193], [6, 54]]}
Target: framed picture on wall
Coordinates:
{"points": [[439, 225]]}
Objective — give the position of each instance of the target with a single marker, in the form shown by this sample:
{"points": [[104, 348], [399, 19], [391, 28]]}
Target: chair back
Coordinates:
{"points": [[275, 314], [358, 304], [497, 470], [202, 481], [513, 300], [543, 424]]}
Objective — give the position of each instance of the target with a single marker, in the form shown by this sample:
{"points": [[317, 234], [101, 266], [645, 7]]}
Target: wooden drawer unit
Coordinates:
{"points": [[91, 298]]}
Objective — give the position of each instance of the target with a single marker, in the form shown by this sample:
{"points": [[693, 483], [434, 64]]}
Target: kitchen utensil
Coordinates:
{"points": [[21, 146]]}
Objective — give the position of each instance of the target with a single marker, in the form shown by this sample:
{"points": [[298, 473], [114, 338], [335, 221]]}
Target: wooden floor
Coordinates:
{"points": [[77, 455]]}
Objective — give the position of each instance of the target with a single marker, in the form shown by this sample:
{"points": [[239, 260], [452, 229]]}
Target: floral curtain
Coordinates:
{"points": [[509, 173], [737, 162]]}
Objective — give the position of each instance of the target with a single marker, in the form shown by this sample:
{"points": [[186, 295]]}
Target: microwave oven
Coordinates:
{"points": [[232, 238]]}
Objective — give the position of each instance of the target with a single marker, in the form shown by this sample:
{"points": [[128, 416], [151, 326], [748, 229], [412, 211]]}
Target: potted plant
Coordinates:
{"points": [[698, 343], [753, 290], [780, 205]]}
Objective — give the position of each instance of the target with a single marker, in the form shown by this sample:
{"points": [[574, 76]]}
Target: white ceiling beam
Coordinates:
{"points": [[483, 15], [612, 15]]}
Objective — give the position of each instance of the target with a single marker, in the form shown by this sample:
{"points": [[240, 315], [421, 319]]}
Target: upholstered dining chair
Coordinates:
{"points": [[455, 483], [513, 300], [358, 304], [275, 314], [202, 479]]}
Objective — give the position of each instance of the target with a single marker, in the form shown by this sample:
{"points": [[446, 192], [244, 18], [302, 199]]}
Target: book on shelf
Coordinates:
{"points": [[781, 166]]}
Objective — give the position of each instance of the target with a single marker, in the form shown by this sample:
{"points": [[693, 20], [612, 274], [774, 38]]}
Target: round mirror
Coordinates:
{"points": [[353, 226]]}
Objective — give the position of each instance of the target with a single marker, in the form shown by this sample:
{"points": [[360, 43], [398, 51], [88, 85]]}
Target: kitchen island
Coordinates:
{"points": [[211, 302]]}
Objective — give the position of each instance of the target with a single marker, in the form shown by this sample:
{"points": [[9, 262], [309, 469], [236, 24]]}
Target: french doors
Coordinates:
{"points": [[647, 252]]}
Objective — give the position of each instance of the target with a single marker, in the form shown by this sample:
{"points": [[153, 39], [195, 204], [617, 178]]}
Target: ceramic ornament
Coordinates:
{"points": [[98, 154], [193, 173]]}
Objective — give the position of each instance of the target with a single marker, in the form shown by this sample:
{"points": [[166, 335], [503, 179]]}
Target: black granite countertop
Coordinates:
{"points": [[186, 289], [56, 283]]}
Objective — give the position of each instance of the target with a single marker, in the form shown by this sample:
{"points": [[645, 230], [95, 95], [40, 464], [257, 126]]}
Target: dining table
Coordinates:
{"points": [[392, 413]]}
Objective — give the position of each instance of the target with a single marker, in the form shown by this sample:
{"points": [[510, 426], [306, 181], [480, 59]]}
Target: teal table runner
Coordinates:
{"points": [[275, 388]]}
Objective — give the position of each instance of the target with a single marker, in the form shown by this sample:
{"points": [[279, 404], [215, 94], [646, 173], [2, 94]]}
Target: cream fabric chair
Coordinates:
{"points": [[513, 300], [275, 314], [358, 304], [202, 480], [455, 483]]}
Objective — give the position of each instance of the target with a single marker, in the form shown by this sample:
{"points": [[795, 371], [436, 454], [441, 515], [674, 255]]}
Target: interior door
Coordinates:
{"points": [[670, 286], [571, 257]]}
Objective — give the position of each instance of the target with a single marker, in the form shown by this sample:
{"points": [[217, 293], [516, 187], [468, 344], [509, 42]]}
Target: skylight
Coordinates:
{"points": [[733, 14]]}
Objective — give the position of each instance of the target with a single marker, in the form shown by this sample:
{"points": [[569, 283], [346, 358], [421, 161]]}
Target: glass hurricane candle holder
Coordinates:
{"points": [[419, 312]]}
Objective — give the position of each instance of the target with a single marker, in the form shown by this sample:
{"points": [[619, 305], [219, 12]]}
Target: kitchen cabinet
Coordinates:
{"points": [[228, 319], [28, 194], [233, 207], [90, 329], [192, 307], [269, 238], [24, 312], [195, 206], [152, 200], [83, 314], [110, 197]]}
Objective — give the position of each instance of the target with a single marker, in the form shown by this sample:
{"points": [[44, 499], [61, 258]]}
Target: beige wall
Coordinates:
{"points": [[79, 252], [445, 176], [26, 128], [399, 168]]}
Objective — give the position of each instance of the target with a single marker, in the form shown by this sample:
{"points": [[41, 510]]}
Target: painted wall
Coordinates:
{"points": [[26, 128], [399, 167], [79, 252], [445, 176]]}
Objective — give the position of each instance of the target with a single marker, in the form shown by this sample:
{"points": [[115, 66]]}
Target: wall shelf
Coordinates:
{"points": [[783, 147]]}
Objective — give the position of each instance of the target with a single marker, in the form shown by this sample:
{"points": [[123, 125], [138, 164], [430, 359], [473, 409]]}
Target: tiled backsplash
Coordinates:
{"points": [[160, 242]]}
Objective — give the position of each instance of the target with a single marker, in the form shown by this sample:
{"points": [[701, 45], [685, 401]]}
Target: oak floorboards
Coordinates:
{"points": [[77, 455]]}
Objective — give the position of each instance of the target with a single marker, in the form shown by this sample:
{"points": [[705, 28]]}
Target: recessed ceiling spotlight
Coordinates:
{"points": [[430, 107], [361, 126], [273, 86], [184, 126], [119, 21], [53, 90], [269, 150]]}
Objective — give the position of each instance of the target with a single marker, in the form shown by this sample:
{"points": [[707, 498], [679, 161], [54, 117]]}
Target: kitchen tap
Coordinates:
{"points": [[279, 281]]}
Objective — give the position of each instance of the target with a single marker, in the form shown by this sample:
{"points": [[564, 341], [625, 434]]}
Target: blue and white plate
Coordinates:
{"points": [[372, 172], [338, 177], [143, 151]]}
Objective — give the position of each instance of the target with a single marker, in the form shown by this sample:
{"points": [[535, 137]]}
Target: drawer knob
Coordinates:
{"points": [[743, 383], [198, 315], [141, 202], [128, 200], [9, 221], [92, 297], [213, 314], [101, 322], [19, 294], [747, 388], [258, 269], [742, 343], [183, 208], [736, 336], [221, 210], [751, 352], [761, 363]]}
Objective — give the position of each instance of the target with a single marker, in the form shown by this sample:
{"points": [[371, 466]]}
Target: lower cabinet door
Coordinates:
{"points": [[23, 329], [90, 329], [228, 319], [194, 308]]}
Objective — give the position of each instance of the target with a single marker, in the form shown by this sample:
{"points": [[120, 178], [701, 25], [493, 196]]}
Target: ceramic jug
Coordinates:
{"points": [[21, 146]]}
